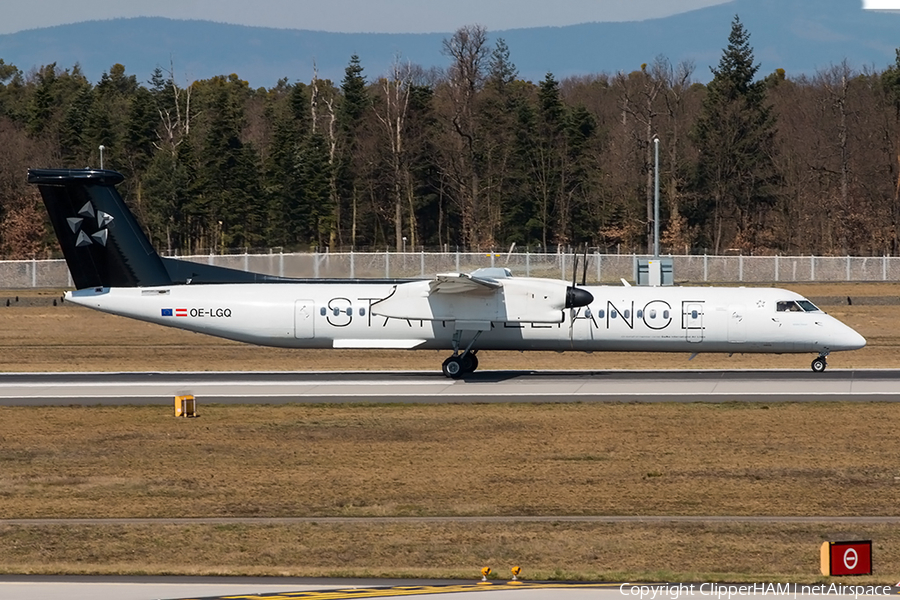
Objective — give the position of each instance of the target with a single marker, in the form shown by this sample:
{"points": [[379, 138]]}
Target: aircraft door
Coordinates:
{"points": [[737, 324], [692, 320], [304, 319]]}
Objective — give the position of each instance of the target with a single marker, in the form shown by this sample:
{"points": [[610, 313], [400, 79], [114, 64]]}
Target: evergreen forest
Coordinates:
{"points": [[472, 157]]}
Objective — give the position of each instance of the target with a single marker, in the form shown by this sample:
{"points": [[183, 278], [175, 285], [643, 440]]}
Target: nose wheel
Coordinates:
{"points": [[819, 364]]}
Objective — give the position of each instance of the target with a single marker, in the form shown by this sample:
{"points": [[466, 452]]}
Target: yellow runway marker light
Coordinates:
{"points": [[515, 573], [484, 575]]}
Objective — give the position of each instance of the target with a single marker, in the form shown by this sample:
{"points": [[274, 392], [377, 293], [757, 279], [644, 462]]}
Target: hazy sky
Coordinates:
{"points": [[386, 16]]}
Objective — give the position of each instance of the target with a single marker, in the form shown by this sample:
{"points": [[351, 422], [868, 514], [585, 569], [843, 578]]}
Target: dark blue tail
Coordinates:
{"points": [[102, 242]]}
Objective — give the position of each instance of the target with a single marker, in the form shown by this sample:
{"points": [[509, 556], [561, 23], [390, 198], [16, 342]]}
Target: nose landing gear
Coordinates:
{"points": [[819, 363]]}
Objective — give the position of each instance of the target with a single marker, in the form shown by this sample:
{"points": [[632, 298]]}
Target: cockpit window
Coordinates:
{"points": [[788, 306], [808, 306], [796, 306]]}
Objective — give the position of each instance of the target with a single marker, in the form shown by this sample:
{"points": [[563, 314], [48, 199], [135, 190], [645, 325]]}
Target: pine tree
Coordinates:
{"points": [[734, 134], [890, 80], [355, 102], [501, 70]]}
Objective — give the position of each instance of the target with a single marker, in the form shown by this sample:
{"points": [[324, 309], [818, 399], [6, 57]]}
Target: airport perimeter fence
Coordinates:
{"points": [[601, 268]]}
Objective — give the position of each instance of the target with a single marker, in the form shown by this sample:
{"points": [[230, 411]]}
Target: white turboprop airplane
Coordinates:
{"points": [[116, 270]]}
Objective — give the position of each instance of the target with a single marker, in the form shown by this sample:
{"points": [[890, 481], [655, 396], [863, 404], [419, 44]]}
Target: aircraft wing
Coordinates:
{"points": [[461, 283], [464, 297]]}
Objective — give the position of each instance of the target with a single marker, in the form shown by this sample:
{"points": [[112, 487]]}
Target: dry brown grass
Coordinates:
{"points": [[65, 338], [568, 459], [593, 551]]}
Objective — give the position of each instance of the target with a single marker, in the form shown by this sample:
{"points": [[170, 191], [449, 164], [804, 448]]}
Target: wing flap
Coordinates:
{"points": [[399, 344]]}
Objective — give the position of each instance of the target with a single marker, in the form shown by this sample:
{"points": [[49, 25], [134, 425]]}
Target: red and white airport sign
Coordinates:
{"points": [[846, 558]]}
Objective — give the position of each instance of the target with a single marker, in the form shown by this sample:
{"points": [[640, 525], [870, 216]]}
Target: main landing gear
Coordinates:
{"points": [[459, 364], [819, 364]]}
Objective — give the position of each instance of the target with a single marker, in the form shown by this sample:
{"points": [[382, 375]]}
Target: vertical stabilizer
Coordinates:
{"points": [[102, 242]]}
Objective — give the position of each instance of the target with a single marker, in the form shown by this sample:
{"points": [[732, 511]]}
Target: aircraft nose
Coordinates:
{"points": [[847, 338], [853, 341], [577, 297]]}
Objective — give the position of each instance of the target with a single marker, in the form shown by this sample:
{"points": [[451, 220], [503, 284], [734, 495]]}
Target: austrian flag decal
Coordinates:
{"points": [[178, 312]]}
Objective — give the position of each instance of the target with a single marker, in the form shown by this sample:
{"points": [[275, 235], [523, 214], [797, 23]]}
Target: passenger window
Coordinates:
{"points": [[652, 314], [322, 311], [612, 314], [640, 314], [601, 314], [336, 311], [587, 313], [627, 314], [693, 314], [665, 314], [349, 311], [362, 312]]}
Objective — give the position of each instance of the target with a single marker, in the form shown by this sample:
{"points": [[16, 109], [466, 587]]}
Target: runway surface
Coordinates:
{"points": [[42, 389]]}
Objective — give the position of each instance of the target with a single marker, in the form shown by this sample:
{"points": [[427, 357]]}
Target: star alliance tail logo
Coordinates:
{"points": [[80, 224]]}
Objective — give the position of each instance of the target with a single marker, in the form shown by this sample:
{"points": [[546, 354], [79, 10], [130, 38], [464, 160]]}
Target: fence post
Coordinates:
{"points": [[812, 267], [599, 258], [705, 267], [352, 265], [387, 264], [884, 267], [422, 263], [33, 272], [316, 263], [848, 268], [741, 267], [527, 263], [457, 259], [776, 267], [281, 263]]}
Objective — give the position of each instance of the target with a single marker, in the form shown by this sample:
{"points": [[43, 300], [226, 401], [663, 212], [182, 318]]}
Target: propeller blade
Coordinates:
{"points": [[574, 268], [584, 266], [569, 295]]}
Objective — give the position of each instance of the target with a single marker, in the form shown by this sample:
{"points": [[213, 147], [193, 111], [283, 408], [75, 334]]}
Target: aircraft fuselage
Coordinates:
{"points": [[620, 318]]}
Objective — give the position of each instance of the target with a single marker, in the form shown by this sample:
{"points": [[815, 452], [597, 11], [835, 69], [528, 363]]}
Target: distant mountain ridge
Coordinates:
{"points": [[799, 36]]}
